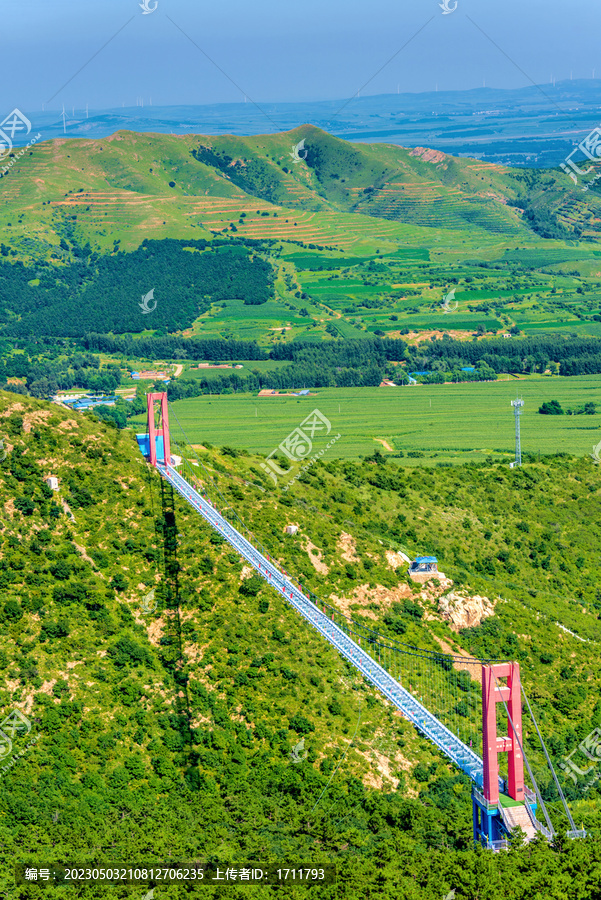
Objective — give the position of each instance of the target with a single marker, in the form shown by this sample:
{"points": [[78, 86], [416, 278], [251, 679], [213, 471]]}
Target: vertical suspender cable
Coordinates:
{"points": [[521, 746], [550, 764]]}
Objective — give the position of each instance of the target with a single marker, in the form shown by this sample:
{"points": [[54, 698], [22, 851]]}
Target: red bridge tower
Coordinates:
{"points": [[161, 431]]}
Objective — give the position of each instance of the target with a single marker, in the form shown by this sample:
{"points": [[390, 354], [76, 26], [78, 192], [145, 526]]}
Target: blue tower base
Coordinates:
{"points": [[144, 445], [489, 828]]}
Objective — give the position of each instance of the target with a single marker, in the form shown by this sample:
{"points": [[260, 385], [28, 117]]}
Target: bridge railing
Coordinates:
{"points": [[462, 755], [448, 685]]}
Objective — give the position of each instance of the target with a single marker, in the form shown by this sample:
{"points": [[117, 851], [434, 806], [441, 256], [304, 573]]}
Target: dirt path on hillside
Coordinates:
{"points": [[474, 670]]}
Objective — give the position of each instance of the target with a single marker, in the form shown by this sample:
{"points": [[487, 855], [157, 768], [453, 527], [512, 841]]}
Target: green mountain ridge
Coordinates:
{"points": [[339, 240], [134, 186]]}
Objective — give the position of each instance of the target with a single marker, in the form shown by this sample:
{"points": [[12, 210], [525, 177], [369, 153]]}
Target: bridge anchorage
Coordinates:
{"points": [[451, 700]]}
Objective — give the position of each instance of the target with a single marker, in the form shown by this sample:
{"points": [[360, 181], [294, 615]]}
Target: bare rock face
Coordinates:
{"points": [[428, 155], [463, 611], [397, 559]]}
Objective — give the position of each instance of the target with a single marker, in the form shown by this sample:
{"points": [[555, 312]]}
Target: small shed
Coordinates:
{"points": [[291, 529], [424, 564], [52, 482]]}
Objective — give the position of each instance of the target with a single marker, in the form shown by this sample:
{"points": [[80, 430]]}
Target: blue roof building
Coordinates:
{"points": [[424, 564], [90, 401]]}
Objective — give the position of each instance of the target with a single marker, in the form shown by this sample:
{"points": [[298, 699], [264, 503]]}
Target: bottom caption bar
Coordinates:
{"points": [[168, 873]]}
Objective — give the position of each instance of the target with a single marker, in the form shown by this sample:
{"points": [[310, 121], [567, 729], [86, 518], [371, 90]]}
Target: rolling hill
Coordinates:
{"points": [[81, 222], [509, 126], [132, 186]]}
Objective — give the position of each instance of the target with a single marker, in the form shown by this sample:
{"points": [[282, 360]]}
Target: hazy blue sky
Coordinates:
{"points": [[278, 50]]}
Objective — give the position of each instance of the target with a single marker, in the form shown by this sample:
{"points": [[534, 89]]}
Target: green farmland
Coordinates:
{"points": [[447, 423]]}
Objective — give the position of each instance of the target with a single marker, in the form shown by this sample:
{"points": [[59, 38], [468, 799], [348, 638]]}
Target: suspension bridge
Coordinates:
{"points": [[452, 700]]}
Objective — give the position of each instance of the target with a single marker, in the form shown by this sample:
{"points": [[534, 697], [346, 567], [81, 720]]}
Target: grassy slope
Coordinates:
{"points": [[110, 737], [118, 187]]}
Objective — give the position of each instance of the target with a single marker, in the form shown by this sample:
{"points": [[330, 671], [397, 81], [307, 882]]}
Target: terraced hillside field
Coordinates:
{"points": [[130, 186]]}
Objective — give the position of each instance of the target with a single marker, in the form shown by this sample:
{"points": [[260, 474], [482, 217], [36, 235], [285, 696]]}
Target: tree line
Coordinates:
{"points": [[179, 279], [174, 347]]}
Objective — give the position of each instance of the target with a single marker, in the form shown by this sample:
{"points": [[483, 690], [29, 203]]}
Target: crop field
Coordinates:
{"points": [[260, 365], [387, 294], [446, 423], [318, 261], [435, 320], [547, 256], [252, 322]]}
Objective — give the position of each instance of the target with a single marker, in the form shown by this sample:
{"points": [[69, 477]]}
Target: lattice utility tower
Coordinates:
{"points": [[517, 410]]}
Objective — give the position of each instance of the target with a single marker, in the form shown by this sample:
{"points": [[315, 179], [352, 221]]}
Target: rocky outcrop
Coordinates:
{"points": [[364, 596], [316, 557], [428, 155], [346, 545], [396, 559], [464, 611]]}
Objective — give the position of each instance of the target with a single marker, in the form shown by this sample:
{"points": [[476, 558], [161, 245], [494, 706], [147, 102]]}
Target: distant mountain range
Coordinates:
{"points": [[532, 126]]}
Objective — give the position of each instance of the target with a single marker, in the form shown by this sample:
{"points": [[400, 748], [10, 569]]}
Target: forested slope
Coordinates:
{"points": [[146, 754], [107, 292]]}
